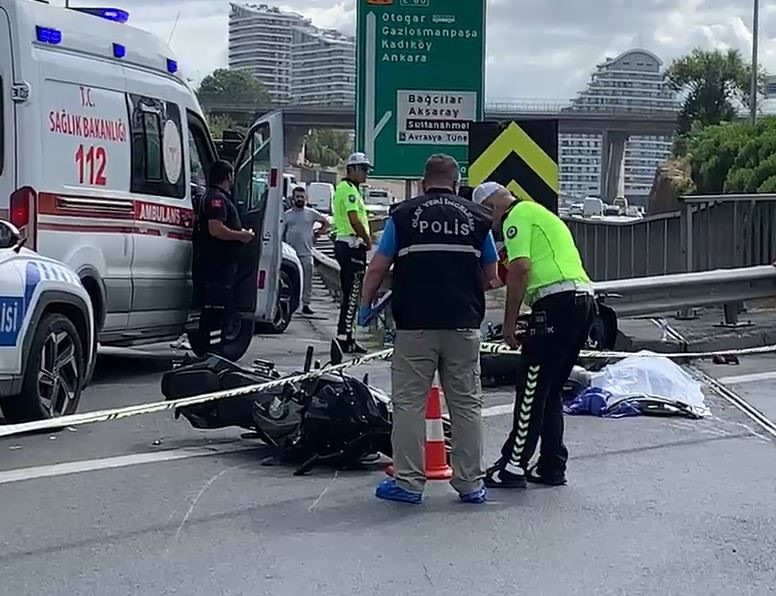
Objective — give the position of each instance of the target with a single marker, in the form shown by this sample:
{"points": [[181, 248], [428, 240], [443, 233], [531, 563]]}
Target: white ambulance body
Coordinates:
{"points": [[102, 144]]}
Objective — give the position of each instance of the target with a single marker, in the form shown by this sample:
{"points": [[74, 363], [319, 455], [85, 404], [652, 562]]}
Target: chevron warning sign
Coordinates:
{"points": [[521, 155]]}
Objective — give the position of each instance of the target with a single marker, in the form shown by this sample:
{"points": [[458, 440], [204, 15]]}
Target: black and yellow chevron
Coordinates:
{"points": [[521, 155]]}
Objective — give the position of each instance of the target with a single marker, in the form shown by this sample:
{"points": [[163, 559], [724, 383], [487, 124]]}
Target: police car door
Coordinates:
{"points": [[7, 136], [258, 194]]}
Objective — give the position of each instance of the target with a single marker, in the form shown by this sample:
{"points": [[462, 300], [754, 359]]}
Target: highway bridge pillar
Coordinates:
{"points": [[294, 143], [612, 157]]}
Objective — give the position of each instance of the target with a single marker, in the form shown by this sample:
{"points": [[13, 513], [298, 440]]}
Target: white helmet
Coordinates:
{"points": [[359, 159], [486, 190]]}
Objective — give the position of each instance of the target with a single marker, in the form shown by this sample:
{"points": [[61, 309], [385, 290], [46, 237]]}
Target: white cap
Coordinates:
{"points": [[359, 159], [486, 190]]}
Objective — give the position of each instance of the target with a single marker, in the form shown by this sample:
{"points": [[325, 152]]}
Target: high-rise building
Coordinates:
{"points": [[633, 81], [296, 61]]}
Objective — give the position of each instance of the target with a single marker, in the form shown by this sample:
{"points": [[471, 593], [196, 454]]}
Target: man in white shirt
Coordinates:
{"points": [[298, 231]]}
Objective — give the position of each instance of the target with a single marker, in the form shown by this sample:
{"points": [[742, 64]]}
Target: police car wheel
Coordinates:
{"points": [[54, 373]]}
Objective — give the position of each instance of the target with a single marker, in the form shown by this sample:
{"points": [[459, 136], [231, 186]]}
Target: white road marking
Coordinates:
{"points": [[751, 378], [154, 457], [498, 410], [121, 461]]}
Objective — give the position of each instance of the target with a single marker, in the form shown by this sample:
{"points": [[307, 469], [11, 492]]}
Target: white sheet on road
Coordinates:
{"points": [[656, 377]]}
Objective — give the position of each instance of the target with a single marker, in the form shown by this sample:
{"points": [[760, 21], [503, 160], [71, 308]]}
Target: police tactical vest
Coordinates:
{"points": [[437, 275]]}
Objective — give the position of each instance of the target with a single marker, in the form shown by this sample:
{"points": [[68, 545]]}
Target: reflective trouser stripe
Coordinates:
{"points": [[523, 421]]}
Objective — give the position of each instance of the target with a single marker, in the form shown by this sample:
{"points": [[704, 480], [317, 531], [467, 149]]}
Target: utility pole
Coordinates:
{"points": [[755, 39]]}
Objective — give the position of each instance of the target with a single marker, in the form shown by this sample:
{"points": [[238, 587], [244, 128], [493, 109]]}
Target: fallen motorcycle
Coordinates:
{"points": [[331, 418], [501, 369]]}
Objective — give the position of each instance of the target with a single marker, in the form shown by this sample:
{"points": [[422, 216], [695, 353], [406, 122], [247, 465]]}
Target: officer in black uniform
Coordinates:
{"points": [[443, 257], [221, 236]]}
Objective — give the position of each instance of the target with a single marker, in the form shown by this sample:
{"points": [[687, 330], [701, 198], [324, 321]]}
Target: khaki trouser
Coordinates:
{"points": [[417, 356]]}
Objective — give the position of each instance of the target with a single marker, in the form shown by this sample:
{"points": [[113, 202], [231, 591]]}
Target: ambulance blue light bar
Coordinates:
{"points": [[109, 14], [48, 35], [172, 66], [119, 51]]}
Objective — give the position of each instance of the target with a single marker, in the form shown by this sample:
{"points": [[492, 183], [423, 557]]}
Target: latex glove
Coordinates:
{"points": [[364, 313]]}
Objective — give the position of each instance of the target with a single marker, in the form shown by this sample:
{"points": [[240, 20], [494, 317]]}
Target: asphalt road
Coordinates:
{"points": [[150, 506]]}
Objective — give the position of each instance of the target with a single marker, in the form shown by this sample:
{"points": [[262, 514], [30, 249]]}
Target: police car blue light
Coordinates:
{"points": [[172, 66], [48, 35], [119, 51]]}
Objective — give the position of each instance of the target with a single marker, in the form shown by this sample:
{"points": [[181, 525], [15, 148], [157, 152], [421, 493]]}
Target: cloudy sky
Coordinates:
{"points": [[536, 48]]}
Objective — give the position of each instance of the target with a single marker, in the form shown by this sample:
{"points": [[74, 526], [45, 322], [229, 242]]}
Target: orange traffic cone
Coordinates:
{"points": [[436, 454]]}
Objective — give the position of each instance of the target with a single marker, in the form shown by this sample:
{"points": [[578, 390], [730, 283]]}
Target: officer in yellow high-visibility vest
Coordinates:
{"points": [[546, 272], [351, 244]]}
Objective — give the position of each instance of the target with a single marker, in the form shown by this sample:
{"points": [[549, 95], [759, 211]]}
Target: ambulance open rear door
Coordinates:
{"points": [[258, 194]]}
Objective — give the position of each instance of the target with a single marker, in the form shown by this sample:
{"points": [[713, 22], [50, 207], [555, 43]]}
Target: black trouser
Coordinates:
{"points": [[557, 331], [218, 309], [352, 264]]}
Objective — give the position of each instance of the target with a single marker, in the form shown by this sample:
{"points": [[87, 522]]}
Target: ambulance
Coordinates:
{"points": [[103, 149]]}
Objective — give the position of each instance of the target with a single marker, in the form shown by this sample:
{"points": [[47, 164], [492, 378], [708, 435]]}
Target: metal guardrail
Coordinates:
{"points": [[717, 250], [708, 232], [667, 293], [656, 294]]}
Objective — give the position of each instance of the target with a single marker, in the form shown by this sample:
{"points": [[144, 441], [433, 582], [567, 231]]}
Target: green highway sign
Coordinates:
{"points": [[420, 81]]}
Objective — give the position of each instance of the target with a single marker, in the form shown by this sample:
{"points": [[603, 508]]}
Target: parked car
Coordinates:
{"points": [[290, 294]]}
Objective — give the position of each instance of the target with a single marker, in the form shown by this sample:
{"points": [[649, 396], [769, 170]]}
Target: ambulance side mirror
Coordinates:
{"points": [[10, 236]]}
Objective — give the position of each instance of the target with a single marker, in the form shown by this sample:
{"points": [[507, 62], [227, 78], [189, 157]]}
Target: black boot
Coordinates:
{"points": [[350, 346], [533, 475], [497, 477]]}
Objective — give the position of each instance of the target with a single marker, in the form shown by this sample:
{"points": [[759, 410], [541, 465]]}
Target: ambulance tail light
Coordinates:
{"points": [[262, 280], [22, 210], [21, 206], [273, 178]]}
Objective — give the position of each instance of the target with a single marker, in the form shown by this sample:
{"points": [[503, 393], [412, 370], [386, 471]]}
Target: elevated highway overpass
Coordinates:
{"points": [[615, 126]]}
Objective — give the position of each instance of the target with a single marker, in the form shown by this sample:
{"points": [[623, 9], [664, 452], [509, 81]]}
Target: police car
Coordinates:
{"points": [[47, 347]]}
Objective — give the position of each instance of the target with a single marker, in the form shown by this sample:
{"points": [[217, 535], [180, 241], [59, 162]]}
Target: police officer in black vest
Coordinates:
{"points": [[219, 236], [443, 258]]}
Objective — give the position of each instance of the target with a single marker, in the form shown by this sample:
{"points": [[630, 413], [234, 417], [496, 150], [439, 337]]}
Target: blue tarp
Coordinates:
{"points": [[595, 402]]}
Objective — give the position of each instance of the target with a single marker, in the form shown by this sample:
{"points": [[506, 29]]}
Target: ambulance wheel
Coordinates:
{"points": [[236, 345], [54, 374]]}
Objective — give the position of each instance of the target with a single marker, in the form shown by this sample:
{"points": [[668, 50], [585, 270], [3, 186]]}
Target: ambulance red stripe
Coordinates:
{"points": [[144, 215]]}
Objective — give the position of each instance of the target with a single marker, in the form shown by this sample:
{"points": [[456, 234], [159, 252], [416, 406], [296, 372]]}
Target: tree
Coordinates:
{"points": [[714, 83], [733, 157], [327, 147], [232, 86], [218, 124]]}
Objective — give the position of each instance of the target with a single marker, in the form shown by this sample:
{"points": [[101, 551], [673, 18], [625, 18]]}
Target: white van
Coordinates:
{"points": [[103, 146], [320, 195]]}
